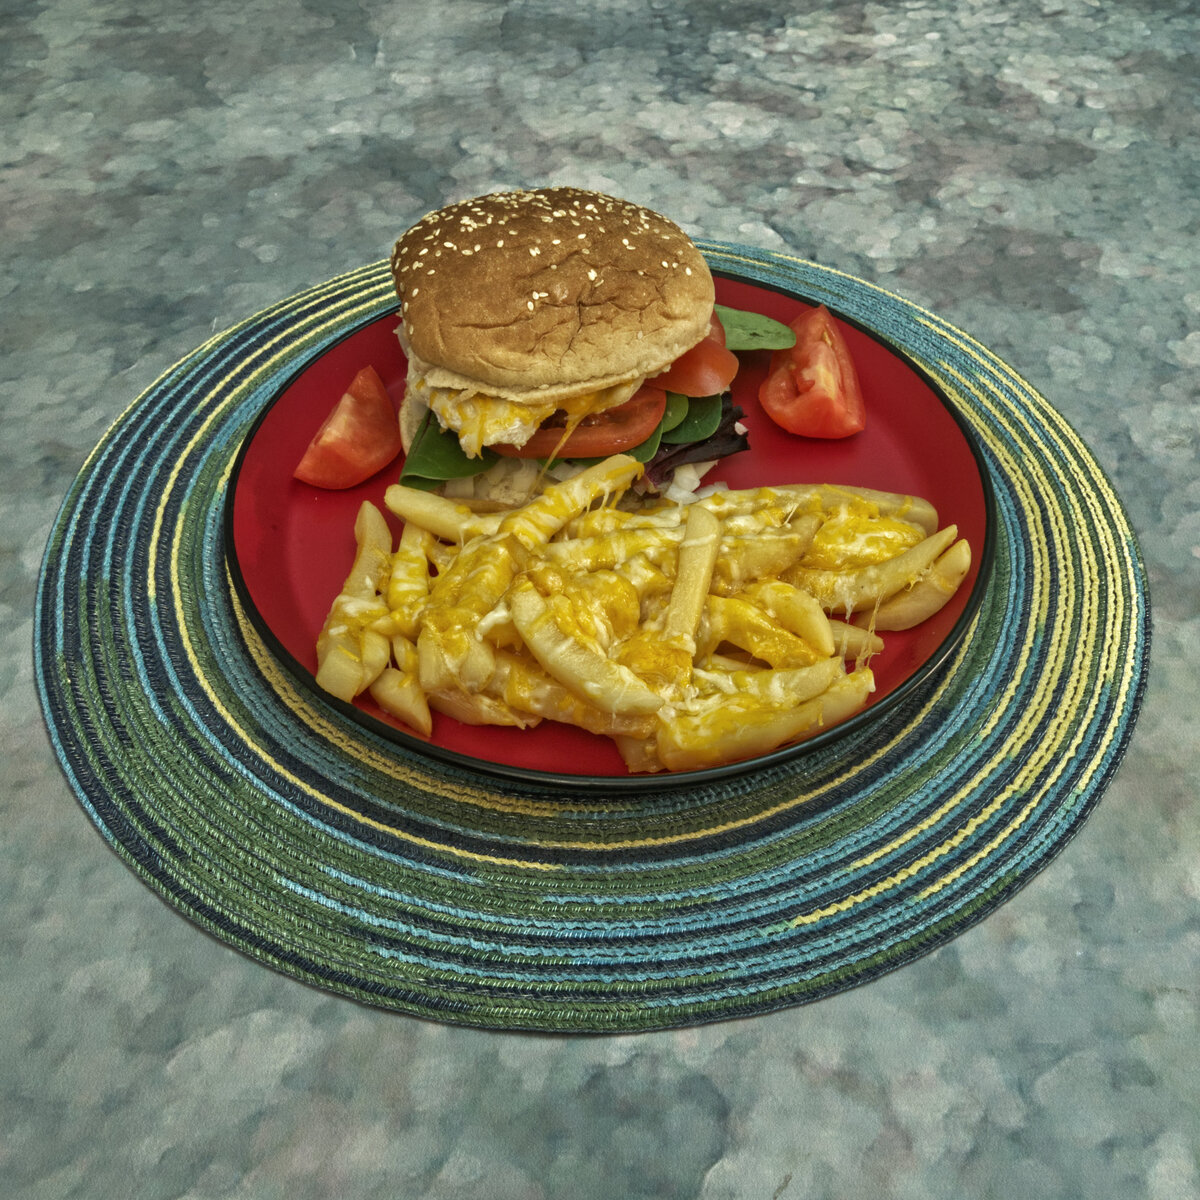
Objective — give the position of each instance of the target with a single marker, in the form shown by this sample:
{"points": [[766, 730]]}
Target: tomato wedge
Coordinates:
{"points": [[707, 369], [812, 388], [359, 437], [597, 436]]}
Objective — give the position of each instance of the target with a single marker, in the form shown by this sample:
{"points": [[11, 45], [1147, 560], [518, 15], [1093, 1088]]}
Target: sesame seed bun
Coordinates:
{"points": [[534, 295]]}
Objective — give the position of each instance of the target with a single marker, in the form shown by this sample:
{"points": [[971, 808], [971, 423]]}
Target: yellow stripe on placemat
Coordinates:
{"points": [[1108, 560], [1114, 554]]}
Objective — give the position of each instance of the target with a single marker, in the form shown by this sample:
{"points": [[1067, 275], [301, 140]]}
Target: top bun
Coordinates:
{"points": [[549, 289]]}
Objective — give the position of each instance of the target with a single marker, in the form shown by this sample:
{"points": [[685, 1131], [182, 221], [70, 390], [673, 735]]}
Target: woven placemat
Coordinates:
{"points": [[344, 860]]}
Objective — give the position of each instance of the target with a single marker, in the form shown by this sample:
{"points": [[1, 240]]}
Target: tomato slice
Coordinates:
{"points": [[812, 388], [360, 436], [716, 330], [707, 369], [597, 436]]}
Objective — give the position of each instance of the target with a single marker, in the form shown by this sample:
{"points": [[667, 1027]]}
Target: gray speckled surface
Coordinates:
{"points": [[1029, 170]]}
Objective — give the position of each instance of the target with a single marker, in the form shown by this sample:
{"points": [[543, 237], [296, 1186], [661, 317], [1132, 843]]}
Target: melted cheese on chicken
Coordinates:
{"points": [[482, 420]]}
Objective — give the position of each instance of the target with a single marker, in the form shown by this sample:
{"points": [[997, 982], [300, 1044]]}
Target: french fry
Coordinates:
{"points": [[697, 557], [402, 696], [450, 520], [603, 521], [523, 685], [597, 552], [775, 686], [764, 554], [738, 729], [408, 580], [928, 594], [823, 499], [536, 522], [451, 653], [847, 541], [605, 604], [854, 641], [339, 664], [350, 655], [796, 610], [640, 754], [372, 560], [397, 689], [914, 509], [850, 591], [662, 652], [477, 708]]}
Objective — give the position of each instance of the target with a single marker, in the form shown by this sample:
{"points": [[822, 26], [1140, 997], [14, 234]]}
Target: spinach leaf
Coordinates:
{"points": [[724, 441], [676, 410], [703, 417], [753, 331], [435, 456]]}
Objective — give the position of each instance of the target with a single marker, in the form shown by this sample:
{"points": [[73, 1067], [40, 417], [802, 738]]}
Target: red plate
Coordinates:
{"points": [[291, 545]]}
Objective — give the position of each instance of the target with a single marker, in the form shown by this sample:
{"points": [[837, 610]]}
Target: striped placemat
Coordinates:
{"points": [[351, 863]]}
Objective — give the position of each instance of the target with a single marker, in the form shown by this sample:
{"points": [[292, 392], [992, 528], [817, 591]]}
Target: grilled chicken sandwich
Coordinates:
{"points": [[529, 315]]}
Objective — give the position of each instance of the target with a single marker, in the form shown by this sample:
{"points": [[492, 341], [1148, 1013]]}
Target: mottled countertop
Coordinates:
{"points": [[1030, 171]]}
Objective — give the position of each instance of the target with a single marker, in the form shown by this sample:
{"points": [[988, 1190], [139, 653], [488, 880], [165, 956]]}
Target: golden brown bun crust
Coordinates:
{"points": [[555, 286]]}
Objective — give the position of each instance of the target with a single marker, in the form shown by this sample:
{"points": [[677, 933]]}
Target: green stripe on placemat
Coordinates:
{"points": [[359, 866]]}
